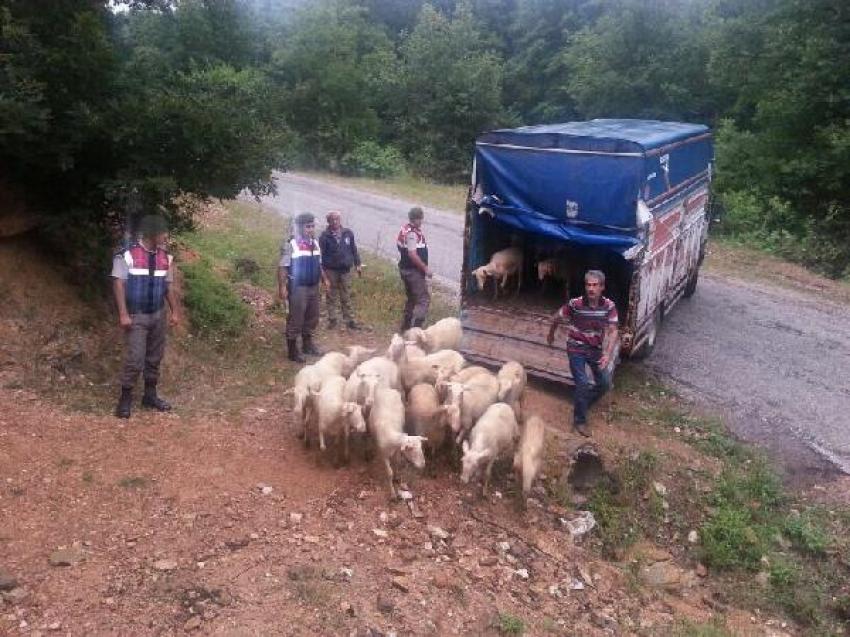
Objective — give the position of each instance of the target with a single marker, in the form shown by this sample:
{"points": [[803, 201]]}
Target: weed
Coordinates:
{"points": [[806, 532], [731, 539], [133, 482], [64, 463], [508, 624], [88, 477], [213, 307], [716, 628]]}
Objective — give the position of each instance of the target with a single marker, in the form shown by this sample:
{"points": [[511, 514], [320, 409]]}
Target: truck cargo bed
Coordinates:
{"points": [[515, 329]]}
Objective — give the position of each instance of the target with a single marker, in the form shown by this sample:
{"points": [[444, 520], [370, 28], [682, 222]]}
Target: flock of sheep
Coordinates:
{"points": [[420, 396]]}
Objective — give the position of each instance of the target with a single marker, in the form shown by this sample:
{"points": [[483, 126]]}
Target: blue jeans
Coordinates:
{"points": [[585, 393]]}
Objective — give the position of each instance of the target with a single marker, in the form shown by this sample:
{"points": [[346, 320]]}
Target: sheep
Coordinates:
{"points": [[335, 414], [426, 417], [467, 401], [462, 376], [307, 382], [529, 454], [444, 334], [386, 423], [431, 368], [337, 363], [412, 350], [504, 263], [382, 368], [495, 433], [512, 381], [558, 269]]}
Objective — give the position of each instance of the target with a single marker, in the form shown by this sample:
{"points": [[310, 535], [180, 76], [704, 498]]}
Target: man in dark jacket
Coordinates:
{"points": [[339, 255], [413, 269]]}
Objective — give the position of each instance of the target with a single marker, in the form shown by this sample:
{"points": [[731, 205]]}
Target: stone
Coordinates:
{"points": [[265, 489], [396, 570], [405, 495], [522, 573], [165, 565], [193, 623], [16, 595], [661, 575], [701, 570], [519, 550], [295, 518], [762, 578], [380, 533], [55, 626], [442, 580], [385, 604], [401, 584], [693, 537], [504, 547], [347, 609], [489, 560], [659, 488], [66, 557], [437, 532], [311, 539], [7, 582]]}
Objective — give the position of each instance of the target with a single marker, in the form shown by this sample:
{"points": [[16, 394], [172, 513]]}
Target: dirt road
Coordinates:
{"points": [[773, 360]]}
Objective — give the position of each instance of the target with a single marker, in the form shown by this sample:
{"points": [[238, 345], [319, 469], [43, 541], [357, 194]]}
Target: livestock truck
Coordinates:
{"points": [[628, 197]]}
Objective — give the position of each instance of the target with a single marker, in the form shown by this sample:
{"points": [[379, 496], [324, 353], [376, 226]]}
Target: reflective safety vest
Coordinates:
{"points": [[147, 275], [305, 267], [404, 261]]}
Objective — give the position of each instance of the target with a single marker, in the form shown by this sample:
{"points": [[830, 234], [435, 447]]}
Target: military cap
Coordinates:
{"points": [[304, 218]]}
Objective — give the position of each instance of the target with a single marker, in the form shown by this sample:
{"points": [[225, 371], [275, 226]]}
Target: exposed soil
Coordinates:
{"points": [[171, 526]]}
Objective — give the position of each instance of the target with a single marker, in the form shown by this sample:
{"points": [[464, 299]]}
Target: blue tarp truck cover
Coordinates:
{"points": [[581, 181]]}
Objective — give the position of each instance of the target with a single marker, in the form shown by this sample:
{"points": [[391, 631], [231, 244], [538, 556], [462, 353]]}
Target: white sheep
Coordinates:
{"points": [[412, 350], [339, 364], [494, 434], [512, 382], [529, 454], [503, 264], [468, 372], [426, 417], [335, 415], [386, 423], [382, 369], [466, 402], [431, 368], [444, 334], [307, 382]]}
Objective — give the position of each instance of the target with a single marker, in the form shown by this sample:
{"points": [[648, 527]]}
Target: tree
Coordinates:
{"points": [[328, 66], [452, 90]]}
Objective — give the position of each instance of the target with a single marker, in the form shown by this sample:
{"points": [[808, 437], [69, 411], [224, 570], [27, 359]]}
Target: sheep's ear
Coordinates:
{"points": [[465, 446], [420, 438]]}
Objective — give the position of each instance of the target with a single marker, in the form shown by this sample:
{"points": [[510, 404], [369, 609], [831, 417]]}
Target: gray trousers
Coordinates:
{"points": [[339, 291], [418, 296], [144, 345], [303, 311]]}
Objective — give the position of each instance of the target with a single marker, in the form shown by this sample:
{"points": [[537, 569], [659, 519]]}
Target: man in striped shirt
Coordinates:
{"points": [[591, 340]]}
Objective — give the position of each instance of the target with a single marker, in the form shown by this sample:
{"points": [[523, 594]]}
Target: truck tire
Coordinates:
{"points": [[691, 285], [649, 342]]}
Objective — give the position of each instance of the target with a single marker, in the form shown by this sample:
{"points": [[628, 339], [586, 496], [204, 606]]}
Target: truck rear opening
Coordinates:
{"points": [[626, 197]]}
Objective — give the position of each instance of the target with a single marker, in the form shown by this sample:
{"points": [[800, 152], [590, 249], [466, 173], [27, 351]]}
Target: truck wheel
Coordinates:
{"points": [[649, 342], [691, 285]]}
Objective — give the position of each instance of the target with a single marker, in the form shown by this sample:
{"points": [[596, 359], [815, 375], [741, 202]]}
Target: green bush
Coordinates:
{"points": [[214, 309], [370, 159], [731, 539], [807, 533]]}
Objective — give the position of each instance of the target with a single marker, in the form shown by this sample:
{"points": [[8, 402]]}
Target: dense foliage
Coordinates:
{"points": [[105, 111]]}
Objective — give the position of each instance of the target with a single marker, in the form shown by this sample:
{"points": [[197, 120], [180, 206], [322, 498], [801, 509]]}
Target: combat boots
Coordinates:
{"points": [[125, 403], [294, 354], [310, 347], [151, 400]]}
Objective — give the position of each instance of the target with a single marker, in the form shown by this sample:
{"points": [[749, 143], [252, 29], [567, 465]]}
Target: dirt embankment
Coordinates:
{"points": [[220, 522]]}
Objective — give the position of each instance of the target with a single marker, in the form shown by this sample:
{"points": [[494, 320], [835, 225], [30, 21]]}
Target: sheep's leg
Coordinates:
{"points": [[486, 487], [389, 468], [346, 449], [322, 439]]}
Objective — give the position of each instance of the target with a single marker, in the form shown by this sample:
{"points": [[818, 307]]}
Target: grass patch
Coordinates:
{"points": [[133, 482], [214, 308], [625, 506], [508, 624], [448, 197], [716, 628]]}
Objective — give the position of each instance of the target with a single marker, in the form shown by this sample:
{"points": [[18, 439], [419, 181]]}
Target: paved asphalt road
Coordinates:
{"points": [[775, 361]]}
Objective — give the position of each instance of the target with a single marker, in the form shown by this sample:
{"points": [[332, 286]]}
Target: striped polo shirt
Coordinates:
{"points": [[587, 324]]}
